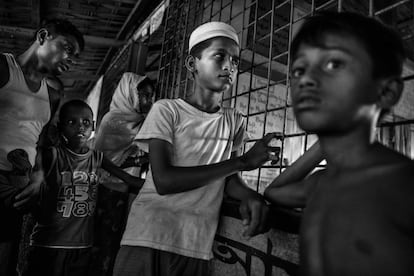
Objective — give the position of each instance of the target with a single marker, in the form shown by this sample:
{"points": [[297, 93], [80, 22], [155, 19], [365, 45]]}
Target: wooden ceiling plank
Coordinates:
{"points": [[89, 39]]}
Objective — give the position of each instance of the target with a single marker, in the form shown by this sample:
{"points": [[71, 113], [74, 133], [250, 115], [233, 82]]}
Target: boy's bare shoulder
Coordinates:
{"points": [[395, 164], [402, 176], [392, 180]]}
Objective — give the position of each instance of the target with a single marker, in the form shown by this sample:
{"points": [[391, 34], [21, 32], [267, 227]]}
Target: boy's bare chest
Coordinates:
{"points": [[355, 216]]}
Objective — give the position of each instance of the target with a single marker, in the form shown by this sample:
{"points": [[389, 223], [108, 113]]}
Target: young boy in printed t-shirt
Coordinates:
{"points": [[173, 220], [61, 242]]}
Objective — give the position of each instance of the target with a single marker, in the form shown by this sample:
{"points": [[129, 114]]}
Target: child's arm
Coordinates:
{"points": [[253, 208], [130, 180], [290, 188], [169, 179]]}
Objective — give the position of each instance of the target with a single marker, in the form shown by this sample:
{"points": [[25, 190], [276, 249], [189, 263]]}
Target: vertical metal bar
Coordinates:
{"points": [[175, 55], [371, 7], [168, 58], [183, 54], [252, 62], [241, 44], [269, 73], [291, 19], [221, 9], [171, 72], [161, 68], [233, 90], [188, 74], [211, 10], [339, 5]]}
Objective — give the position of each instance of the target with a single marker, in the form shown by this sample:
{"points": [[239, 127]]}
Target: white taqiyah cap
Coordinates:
{"points": [[212, 29]]}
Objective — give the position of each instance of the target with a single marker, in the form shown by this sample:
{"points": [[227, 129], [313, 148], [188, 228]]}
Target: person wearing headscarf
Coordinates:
{"points": [[130, 103]]}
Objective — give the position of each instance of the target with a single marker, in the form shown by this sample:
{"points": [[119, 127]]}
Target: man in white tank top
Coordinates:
{"points": [[27, 103]]}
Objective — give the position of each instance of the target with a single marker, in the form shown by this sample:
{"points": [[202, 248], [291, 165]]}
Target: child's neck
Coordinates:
{"points": [[349, 151], [79, 149], [206, 101]]}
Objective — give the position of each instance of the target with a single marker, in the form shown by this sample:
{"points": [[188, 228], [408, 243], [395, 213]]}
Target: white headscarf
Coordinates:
{"points": [[120, 125]]}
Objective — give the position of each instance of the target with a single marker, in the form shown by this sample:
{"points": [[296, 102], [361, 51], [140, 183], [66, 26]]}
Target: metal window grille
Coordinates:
{"points": [[266, 28]]}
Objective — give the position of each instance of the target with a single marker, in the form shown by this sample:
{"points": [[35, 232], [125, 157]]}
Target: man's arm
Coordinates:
{"points": [[29, 195], [290, 188], [169, 179]]}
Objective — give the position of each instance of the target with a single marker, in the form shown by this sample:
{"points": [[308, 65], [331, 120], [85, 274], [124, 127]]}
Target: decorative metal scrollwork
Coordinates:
{"points": [[224, 252]]}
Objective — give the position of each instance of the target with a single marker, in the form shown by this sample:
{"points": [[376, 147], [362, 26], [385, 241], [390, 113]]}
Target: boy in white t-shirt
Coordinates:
{"points": [[173, 220]]}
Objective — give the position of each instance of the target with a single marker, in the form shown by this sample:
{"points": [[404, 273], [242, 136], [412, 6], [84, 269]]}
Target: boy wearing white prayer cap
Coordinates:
{"points": [[193, 146]]}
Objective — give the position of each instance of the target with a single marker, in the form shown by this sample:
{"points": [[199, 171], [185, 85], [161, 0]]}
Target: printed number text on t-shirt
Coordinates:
{"points": [[77, 194]]}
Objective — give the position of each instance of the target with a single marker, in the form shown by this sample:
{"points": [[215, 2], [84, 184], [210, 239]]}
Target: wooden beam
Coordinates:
{"points": [[138, 14], [89, 39]]}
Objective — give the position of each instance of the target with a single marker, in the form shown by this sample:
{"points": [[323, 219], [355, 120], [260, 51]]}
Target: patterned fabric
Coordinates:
{"points": [[68, 202]]}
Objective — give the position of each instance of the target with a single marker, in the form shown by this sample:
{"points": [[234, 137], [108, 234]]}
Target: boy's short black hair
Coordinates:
{"points": [[64, 109], [383, 44], [65, 28]]}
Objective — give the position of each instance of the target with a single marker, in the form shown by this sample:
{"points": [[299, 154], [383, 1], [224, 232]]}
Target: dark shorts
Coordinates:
{"points": [[9, 188], [58, 262], [11, 221], [10, 217], [143, 261]]}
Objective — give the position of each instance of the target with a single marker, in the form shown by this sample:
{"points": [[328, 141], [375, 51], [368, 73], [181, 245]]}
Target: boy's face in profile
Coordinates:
{"points": [[57, 53], [77, 126], [332, 85], [217, 67]]}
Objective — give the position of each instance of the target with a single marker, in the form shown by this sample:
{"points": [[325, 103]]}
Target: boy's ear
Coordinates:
{"points": [[41, 35], [391, 90], [190, 63]]}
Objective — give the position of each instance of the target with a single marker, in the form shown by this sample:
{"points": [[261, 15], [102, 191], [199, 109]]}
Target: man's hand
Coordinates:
{"points": [[30, 194], [254, 212]]}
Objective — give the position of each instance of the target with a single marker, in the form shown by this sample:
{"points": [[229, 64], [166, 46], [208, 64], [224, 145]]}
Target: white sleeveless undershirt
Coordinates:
{"points": [[23, 113]]}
